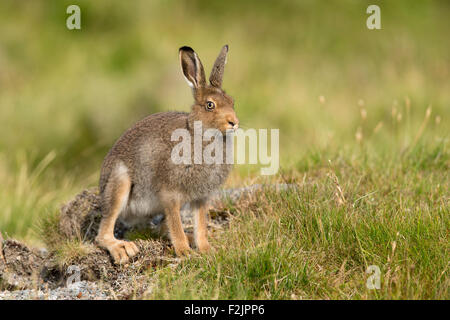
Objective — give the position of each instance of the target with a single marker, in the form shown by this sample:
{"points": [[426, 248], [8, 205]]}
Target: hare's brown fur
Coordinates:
{"points": [[138, 178]]}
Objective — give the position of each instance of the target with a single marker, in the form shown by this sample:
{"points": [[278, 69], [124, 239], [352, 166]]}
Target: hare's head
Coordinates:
{"points": [[212, 105]]}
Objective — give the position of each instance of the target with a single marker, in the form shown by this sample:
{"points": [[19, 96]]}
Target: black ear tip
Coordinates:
{"points": [[186, 48], [226, 47]]}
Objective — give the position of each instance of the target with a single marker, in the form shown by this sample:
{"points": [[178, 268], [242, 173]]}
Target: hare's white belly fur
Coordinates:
{"points": [[143, 201], [147, 206]]}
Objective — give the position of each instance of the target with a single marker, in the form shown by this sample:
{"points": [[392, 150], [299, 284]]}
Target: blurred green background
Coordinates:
{"points": [[311, 69]]}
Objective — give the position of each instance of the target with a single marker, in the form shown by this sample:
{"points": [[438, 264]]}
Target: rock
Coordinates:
{"points": [[25, 269], [82, 290], [21, 265]]}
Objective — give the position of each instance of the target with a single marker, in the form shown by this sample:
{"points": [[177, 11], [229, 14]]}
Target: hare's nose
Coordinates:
{"points": [[234, 123]]}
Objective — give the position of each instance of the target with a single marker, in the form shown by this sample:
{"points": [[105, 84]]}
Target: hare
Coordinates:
{"points": [[138, 179]]}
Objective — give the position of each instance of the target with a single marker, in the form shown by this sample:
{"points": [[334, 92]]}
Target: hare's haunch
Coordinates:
{"points": [[139, 179]]}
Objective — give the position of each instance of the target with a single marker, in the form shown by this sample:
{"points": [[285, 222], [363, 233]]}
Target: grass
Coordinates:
{"points": [[363, 118], [310, 243]]}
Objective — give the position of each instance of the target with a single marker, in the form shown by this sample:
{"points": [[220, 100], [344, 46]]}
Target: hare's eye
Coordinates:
{"points": [[210, 105]]}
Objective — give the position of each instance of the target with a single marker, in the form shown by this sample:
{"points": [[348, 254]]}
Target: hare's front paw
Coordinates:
{"points": [[182, 248], [203, 246], [120, 250]]}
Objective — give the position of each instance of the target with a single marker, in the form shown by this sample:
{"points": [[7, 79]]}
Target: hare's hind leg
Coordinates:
{"points": [[177, 236], [114, 200], [200, 210]]}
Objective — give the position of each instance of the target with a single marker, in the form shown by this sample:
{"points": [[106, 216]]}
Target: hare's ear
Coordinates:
{"points": [[217, 72], [192, 68]]}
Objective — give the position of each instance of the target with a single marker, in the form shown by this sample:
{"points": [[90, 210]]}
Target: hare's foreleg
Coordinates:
{"points": [[173, 220], [200, 210], [114, 200]]}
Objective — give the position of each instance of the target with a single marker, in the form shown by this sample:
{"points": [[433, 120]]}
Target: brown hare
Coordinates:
{"points": [[138, 179]]}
